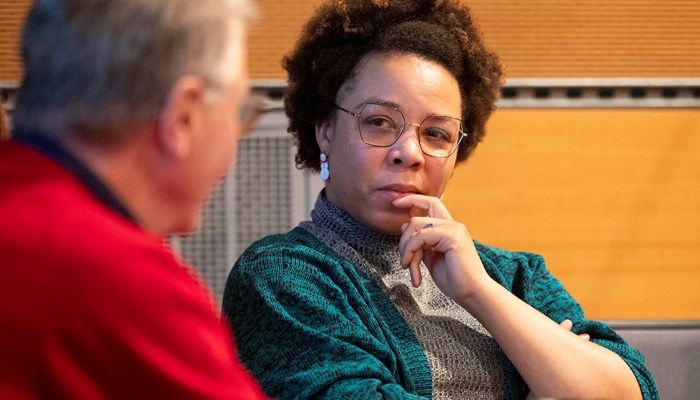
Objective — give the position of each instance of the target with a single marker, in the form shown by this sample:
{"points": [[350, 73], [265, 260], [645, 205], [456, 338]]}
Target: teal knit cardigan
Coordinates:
{"points": [[308, 324]]}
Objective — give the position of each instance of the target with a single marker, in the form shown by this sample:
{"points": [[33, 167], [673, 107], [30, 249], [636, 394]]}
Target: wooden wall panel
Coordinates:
{"points": [[611, 198], [274, 34], [536, 38], [593, 38], [12, 14], [541, 38]]}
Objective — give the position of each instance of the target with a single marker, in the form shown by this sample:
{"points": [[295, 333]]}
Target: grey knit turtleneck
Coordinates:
{"points": [[465, 361]]}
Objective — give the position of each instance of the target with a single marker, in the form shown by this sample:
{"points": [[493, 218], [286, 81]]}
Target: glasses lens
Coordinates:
{"points": [[439, 136], [380, 125]]}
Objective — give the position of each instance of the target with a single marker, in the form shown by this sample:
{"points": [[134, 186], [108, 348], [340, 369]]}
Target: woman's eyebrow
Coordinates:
{"points": [[377, 100]]}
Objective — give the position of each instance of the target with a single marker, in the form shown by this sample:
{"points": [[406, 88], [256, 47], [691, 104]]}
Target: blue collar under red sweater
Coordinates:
{"points": [[53, 149]]}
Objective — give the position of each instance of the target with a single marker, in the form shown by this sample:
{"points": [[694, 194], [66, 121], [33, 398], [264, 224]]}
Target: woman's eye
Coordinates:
{"points": [[379, 122], [436, 134]]}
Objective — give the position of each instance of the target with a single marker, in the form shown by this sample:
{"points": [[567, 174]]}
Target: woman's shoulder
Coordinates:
{"points": [[274, 242], [513, 268], [503, 258], [297, 247]]}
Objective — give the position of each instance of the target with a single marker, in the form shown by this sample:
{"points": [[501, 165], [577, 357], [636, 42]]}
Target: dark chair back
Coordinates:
{"points": [[671, 349]]}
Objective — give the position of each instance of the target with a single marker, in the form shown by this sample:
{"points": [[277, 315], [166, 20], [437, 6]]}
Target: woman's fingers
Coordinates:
{"points": [[414, 238], [431, 204], [412, 258], [414, 246], [568, 325], [414, 268], [432, 239]]}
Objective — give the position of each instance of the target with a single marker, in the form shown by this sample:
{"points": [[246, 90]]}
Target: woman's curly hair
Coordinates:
{"points": [[342, 32]]}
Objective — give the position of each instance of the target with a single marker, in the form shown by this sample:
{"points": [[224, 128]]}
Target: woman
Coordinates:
{"points": [[385, 98]]}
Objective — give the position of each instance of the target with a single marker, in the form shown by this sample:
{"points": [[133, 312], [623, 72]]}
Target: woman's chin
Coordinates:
{"points": [[390, 224]]}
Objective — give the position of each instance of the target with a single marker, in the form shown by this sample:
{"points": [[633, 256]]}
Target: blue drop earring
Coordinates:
{"points": [[325, 174]]}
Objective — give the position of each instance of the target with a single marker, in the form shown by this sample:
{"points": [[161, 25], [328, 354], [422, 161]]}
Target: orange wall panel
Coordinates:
{"points": [[536, 38], [12, 14], [274, 35], [541, 38], [611, 199], [593, 38]]}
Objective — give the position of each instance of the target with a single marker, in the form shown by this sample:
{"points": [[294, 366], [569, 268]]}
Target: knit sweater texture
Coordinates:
{"points": [[325, 311]]}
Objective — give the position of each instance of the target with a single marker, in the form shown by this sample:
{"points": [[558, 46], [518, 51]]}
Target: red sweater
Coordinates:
{"points": [[92, 306]]}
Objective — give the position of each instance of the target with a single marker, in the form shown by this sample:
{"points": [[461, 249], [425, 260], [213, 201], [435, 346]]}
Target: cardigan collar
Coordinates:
{"points": [[379, 250]]}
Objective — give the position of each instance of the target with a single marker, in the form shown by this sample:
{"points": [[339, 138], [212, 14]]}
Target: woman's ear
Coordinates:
{"points": [[324, 135]]}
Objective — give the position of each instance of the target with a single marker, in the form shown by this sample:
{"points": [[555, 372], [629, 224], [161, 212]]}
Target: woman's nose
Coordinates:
{"points": [[407, 148]]}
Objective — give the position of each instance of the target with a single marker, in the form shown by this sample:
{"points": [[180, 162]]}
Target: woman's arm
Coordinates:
{"points": [[306, 329], [552, 361]]}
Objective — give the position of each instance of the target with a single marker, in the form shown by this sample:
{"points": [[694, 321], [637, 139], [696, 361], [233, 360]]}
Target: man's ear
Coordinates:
{"points": [[182, 116], [324, 135]]}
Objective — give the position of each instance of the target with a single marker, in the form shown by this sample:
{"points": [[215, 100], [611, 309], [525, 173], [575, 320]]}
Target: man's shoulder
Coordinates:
{"points": [[57, 229], [62, 250]]}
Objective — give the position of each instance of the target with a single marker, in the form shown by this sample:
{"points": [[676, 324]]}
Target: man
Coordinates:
{"points": [[126, 119]]}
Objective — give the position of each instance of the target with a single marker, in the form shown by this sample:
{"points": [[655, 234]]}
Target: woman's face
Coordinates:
{"points": [[364, 179]]}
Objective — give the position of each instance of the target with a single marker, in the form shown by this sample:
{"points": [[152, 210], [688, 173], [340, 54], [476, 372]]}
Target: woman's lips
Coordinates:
{"points": [[396, 192]]}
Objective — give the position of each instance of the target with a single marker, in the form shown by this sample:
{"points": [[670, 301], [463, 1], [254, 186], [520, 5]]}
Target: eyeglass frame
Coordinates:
{"points": [[252, 109], [461, 132]]}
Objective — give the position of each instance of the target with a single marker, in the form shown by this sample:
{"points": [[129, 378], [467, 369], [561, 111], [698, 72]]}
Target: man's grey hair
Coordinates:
{"points": [[98, 68]]}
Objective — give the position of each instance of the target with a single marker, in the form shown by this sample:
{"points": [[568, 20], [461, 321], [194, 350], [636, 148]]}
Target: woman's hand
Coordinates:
{"points": [[444, 245], [568, 325], [533, 342]]}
